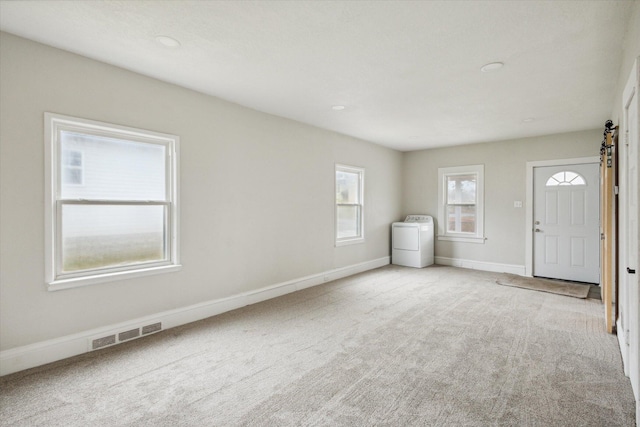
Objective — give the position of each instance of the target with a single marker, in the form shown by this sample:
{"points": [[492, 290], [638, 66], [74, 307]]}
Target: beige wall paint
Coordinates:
{"points": [[505, 182], [256, 193]]}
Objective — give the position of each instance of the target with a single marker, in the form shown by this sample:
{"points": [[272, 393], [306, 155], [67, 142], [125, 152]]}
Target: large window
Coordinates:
{"points": [[461, 203], [111, 203], [349, 205]]}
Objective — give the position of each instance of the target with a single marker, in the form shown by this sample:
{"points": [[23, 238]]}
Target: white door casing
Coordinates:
{"points": [[628, 324], [566, 222], [631, 269]]}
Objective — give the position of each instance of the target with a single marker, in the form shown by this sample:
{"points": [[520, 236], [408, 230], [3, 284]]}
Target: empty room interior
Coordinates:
{"points": [[270, 213]]}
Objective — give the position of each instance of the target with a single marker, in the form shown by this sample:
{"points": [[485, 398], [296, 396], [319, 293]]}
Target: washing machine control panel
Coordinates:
{"points": [[418, 218]]}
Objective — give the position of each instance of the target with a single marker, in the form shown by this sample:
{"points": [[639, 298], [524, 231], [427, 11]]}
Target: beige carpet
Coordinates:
{"points": [[396, 346], [544, 285]]}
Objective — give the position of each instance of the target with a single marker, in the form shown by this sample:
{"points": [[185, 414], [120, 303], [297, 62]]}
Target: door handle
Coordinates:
{"points": [[537, 230], [631, 270]]}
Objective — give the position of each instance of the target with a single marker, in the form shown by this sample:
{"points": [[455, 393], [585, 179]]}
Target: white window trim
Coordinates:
{"points": [[348, 240], [54, 123], [478, 236]]}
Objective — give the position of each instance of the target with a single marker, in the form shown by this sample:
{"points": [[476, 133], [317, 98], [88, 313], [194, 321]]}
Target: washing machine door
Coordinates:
{"points": [[406, 237]]}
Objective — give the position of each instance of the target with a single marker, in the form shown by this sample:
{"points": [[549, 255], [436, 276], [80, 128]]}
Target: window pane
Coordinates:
{"points": [[347, 187], [72, 176], [461, 219], [97, 236], [570, 176], [578, 180], [71, 167], [461, 189], [348, 221], [71, 158], [552, 182], [112, 169]]}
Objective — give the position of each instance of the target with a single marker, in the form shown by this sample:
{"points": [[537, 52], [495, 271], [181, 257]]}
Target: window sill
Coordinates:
{"points": [[58, 285], [346, 242], [463, 239]]}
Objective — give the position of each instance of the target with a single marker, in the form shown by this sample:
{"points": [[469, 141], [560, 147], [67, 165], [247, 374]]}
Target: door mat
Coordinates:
{"points": [[544, 285]]}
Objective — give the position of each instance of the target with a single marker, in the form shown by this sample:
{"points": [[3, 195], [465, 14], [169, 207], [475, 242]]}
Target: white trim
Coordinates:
{"points": [[528, 256], [624, 347], [463, 239], [626, 328], [29, 356], [481, 265], [346, 242], [75, 282]]}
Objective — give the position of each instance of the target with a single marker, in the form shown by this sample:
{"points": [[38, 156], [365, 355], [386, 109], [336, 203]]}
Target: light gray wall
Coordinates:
{"points": [[630, 51], [257, 193], [505, 182]]}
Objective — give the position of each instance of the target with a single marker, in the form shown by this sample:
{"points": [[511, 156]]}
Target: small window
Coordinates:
{"points": [[565, 178], [460, 204], [349, 205], [112, 202]]}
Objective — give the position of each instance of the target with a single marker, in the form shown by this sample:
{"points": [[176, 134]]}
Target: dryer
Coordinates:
{"points": [[412, 241]]}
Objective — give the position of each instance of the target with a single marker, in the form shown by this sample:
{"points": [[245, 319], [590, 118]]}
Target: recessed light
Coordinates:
{"points": [[528, 120], [492, 66], [167, 41], [338, 107]]}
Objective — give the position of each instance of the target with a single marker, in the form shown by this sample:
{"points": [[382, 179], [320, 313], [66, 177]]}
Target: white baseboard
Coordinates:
{"points": [[29, 356], [624, 348], [481, 265], [624, 353]]}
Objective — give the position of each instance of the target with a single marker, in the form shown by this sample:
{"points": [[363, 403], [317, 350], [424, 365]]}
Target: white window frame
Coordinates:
{"points": [[360, 237], [443, 234], [54, 279]]}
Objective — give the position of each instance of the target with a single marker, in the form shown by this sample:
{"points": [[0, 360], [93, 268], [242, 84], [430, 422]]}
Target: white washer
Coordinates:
{"points": [[412, 241]]}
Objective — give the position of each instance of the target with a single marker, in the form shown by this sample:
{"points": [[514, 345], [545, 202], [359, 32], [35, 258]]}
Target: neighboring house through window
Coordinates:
{"points": [[71, 167], [349, 188], [111, 203], [461, 203]]}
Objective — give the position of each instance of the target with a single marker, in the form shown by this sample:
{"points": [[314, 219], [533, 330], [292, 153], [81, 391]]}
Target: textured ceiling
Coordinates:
{"points": [[408, 72]]}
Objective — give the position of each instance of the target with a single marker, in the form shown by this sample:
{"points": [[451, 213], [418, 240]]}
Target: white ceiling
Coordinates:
{"points": [[408, 72]]}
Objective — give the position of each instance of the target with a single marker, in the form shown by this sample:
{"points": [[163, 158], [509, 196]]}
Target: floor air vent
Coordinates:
{"points": [[103, 342], [127, 335], [117, 337], [154, 327]]}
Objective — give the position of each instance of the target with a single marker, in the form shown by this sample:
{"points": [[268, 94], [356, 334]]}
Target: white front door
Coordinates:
{"points": [[566, 214]]}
